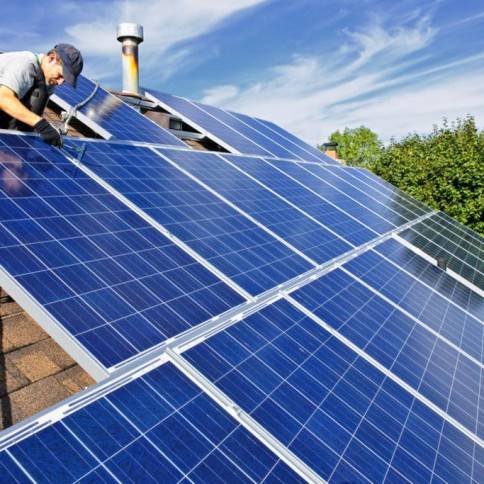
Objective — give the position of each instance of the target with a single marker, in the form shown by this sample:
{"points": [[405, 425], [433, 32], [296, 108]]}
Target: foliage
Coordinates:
{"points": [[358, 146], [444, 169]]}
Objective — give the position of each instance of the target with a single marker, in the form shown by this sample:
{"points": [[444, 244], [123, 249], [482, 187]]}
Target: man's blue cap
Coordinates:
{"points": [[72, 62]]}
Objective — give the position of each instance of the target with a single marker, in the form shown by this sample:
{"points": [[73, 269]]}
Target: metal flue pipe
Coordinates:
{"points": [[130, 35]]}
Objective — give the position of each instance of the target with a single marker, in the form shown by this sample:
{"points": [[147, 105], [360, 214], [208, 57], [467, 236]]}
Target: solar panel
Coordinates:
{"points": [[429, 274], [239, 133], [296, 151], [462, 256], [366, 179], [317, 155], [237, 246], [355, 219], [286, 220], [256, 136], [109, 279], [422, 301], [116, 118], [449, 224], [425, 353], [157, 428], [393, 205], [329, 405], [221, 133]]}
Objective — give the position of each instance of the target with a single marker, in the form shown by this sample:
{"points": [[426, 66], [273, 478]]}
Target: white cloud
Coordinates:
{"points": [[220, 94], [379, 44], [165, 23], [312, 98]]}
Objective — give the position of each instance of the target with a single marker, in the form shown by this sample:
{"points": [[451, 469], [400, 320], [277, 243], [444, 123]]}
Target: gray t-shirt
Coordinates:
{"points": [[18, 71]]}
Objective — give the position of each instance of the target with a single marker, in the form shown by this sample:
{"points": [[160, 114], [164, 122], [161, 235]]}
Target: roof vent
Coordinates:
{"points": [[130, 35]]}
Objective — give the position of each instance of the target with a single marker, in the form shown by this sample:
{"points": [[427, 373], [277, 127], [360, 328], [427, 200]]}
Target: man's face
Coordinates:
{"points": [[53, 72]]}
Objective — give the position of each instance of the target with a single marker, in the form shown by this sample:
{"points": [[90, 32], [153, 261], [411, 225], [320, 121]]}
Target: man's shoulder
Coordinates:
{"points": [[24, 57], [18, 71]]}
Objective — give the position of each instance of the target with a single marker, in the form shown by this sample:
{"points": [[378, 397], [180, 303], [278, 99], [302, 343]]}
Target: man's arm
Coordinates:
{"points": [[10, 104]]}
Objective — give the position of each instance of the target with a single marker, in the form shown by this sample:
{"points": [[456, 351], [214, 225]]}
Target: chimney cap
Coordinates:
{"points": [[130, 30]]}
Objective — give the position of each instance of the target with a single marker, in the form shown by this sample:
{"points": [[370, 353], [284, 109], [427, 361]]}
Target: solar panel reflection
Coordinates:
{"points": [[114, 115]]}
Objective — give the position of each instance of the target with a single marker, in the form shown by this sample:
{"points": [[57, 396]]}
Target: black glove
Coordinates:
{"points": [[49, 134]]}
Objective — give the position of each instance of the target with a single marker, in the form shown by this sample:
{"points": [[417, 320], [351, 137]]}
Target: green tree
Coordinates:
{"points": [[444, 169], [358, 146]]}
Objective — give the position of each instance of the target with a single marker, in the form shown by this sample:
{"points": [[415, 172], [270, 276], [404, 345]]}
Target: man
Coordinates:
{"points": [[26, 82]]}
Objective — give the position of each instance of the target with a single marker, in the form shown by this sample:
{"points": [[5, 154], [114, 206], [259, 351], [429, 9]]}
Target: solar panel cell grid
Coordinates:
{"points": [[323, 201], [208, 123], [115, 116], [421, 301], [366, 179], [432, 276], [333, 409], [461, 256], [296, 151], [292, 225], [317, 155], [445, 376], [392, 208], [236, 246], [149, 430], [112, 280], [249, 132], [355, 225], [461, 230]]}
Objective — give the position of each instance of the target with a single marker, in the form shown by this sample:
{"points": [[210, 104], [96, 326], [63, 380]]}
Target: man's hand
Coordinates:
{"points": [[49, 134]]}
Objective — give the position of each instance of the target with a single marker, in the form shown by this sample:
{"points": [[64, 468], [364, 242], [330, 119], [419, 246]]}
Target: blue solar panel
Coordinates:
{"points": [[448, 224], [256, 136], [158, 428], [356, 179], [421, 301], [114, 115], [243, 251], [317, 155], [296, 151], [239, 132], [367, 180], [291, 224], [462, 256], [107, 276], [434, 277], [324, 201], [392, 207], [223, 133], [333, 409], [428, 363]]}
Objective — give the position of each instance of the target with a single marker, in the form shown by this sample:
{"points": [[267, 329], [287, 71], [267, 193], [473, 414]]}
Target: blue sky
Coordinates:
{"points": [[313, 66]]}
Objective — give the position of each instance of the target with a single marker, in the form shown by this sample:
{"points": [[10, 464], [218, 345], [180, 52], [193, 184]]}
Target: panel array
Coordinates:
{"points": [[345, 419], [114, 115], [272, 211], [220, 132], [438, 354], [324, 201], [314, 154], [240, 133], [462, 254], [104, 273], [158, 428], [371, 372], [238, 247]]}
